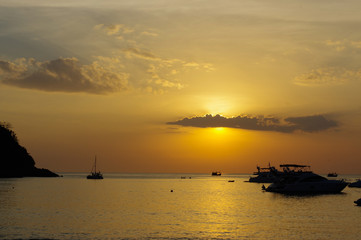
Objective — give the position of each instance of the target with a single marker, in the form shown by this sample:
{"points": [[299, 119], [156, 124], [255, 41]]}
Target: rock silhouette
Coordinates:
{"points": [[15, 161]]}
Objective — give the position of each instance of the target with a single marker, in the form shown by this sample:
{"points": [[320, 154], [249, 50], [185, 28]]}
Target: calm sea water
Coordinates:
{"points": [[142, 206]]}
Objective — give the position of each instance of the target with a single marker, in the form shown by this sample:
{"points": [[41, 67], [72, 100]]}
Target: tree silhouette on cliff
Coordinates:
{"points": [[15, 161]]}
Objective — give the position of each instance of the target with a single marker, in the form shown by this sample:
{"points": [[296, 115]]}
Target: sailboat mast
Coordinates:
{"points": [[95, 163]]}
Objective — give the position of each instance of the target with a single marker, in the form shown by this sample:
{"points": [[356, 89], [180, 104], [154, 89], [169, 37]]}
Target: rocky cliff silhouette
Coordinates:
{"points": [[15, 161]]}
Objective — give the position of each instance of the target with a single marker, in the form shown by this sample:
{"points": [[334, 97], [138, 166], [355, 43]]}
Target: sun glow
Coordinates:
{"points": [[219, 130], [218, 105]]}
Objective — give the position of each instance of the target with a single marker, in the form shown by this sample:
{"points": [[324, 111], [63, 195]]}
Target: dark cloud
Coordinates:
{"points": [[287, 125], [311, 123], [63, 74], [5, 66]]}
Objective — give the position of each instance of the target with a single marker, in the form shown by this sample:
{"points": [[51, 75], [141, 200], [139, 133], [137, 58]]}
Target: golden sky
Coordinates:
{"points": [[183, 86]]}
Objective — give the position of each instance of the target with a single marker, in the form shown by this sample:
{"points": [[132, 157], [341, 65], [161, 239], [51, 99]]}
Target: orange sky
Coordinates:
{"points": [[86, 78]]}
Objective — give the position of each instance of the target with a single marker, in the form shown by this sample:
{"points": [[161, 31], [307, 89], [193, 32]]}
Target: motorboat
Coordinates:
{"points": [[356, 184], [94, 174], [358, 202], [264, 175], [216, 173], [333, 174], [299, 179]]}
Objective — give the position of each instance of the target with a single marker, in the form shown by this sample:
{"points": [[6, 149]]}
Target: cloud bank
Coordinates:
{"points": [[132, 67], [310, 124], [63, 75]]}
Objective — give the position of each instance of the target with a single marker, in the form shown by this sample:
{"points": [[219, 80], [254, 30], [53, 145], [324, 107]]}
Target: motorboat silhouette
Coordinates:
{"points": [[333, 174], [356, 184], [264, 175], [299, 179]]}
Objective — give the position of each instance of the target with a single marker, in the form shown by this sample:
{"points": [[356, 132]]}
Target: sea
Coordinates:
{"points": [[171, 206]]}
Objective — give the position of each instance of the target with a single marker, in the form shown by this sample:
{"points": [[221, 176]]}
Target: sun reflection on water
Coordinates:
{"points": [[201, 207]]}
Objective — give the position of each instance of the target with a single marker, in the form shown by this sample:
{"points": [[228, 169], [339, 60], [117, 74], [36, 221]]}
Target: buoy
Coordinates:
{"points": [[171, 190]]}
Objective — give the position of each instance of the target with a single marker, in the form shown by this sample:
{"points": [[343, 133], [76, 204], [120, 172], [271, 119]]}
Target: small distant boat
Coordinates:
{"points": [[356, 184], [358, 202], [333, 174], [216, 173], [230, 180], [94, 174]]}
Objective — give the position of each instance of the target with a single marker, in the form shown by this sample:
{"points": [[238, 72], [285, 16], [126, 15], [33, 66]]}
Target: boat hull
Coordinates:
{"points": [[262, 179], [96, 175], [332, 175], [216, 174], [355, 184], [91, 177], [323, 187]]}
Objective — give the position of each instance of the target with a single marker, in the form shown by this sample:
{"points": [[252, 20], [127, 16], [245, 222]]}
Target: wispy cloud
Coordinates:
{"points": [[162, 74], [337, 45], [287, 125], [341, 66], [344, 44], [149, 33], [328, 76], [138, 53], [124, 32], [114, 29]]}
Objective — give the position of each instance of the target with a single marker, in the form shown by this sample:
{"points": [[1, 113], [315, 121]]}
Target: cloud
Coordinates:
{"points": [[161, 74], [337, 45], [341, 67], [138, 53], [148, 33], [134, 68], [131, 66], [328, 76], [63, 75], [311, 123], [292, 124], [341, 45], [114, 29]]}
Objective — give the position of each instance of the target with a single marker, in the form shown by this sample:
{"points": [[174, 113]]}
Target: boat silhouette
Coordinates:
{"points": [[216, 173], [333, 174], [265, 175], [299, 179], [94, 174], [356, 184]]}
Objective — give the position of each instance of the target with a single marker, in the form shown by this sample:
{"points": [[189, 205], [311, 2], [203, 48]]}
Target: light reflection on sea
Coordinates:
{"points": [[142, 206]]}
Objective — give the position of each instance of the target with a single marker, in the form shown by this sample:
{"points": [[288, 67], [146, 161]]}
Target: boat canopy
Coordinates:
{"points": [[294, 165]]}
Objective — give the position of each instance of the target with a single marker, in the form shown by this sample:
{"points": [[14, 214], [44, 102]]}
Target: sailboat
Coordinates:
{"points": [[94, 174]]}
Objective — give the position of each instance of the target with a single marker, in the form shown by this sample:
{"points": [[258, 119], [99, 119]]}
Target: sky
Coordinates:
{"points": [[183, 86]]}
